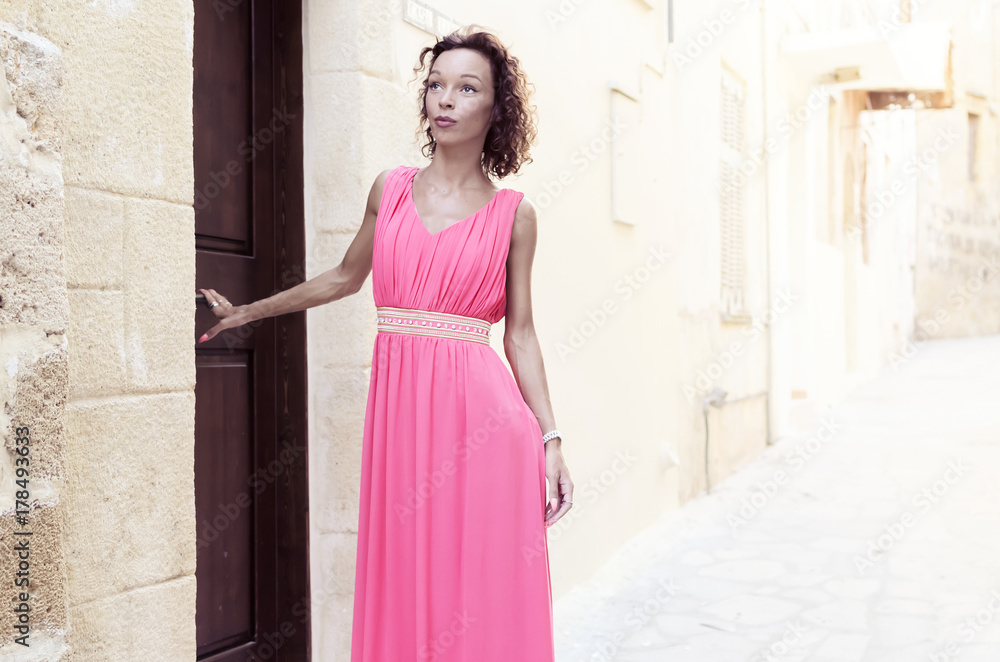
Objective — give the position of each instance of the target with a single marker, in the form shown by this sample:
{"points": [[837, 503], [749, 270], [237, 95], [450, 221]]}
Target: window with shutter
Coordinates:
{"points": [[731, 198]]}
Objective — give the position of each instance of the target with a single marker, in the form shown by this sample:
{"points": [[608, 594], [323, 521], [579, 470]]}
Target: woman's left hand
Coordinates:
{"points": [[560, 486]]}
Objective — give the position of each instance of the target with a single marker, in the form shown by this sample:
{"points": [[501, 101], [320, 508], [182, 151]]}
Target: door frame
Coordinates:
{"points": [[291, 374]]}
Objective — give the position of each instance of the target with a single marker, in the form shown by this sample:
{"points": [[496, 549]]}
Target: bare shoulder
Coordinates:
{"points": [[525, 220], [375, 193]]}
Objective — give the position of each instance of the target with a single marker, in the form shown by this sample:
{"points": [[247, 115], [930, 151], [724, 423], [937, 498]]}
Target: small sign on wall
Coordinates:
{"points": [[428, 18]]}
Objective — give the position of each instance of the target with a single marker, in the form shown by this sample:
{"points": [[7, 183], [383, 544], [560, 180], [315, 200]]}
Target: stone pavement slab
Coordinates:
{"points": [[874, 536]]}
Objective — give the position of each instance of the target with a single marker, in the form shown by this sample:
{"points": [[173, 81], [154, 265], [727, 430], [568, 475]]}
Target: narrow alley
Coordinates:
{"points": [[874, 536]]}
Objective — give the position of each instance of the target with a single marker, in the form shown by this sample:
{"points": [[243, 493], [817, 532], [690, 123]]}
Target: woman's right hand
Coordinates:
{"points": [[229, 316]]}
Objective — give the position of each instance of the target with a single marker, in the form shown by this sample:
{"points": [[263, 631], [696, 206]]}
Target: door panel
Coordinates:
{"points": [[225, 603], [250, 493]]}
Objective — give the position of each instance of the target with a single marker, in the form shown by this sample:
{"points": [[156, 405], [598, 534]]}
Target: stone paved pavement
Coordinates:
{"points": [[874, 536]]}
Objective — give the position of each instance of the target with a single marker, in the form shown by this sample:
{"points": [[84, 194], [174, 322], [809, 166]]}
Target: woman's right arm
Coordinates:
{"points": [[341, 281]]}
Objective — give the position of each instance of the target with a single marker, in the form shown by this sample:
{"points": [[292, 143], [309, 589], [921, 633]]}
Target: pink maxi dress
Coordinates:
{"points": [[452, 559]]}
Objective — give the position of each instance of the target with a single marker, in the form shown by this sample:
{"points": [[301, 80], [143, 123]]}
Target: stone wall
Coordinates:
{"points": [[33, 349], [958, 267], [97, 326]]}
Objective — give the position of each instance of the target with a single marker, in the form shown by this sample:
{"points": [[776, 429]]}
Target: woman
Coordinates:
{"points": [[452, 560]]}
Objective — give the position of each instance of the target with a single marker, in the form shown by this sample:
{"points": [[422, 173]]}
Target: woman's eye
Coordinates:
{"points": [[463, 87]]}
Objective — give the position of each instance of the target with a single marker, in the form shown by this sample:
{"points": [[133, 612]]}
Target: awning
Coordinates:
{"points": [[886, 56]]}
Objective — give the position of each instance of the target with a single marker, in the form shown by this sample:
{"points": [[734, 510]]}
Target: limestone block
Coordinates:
{"points": [[39, 403], [30, 100], [127, 96], [32, 285], [94, 234], [149, 623], [347, 157], [339, 400], [333, 594], [338, 184], [23, 12], [353, 37], [159, 296], [325, 250], [351, 322], [96, 343], [118, 451], [335, 576]]}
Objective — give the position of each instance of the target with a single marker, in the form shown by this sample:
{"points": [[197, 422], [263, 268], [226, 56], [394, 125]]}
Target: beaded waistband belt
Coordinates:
{"points": [[431, 323]]}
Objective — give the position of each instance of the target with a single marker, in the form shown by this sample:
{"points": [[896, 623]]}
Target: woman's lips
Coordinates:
{"points": [[441, 122]]}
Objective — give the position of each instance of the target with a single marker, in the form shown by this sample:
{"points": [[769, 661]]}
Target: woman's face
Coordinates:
{"points": [[460, 87]]}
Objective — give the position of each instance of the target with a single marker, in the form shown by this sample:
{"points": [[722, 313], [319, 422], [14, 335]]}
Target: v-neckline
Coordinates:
{"points": [[420, 222]]}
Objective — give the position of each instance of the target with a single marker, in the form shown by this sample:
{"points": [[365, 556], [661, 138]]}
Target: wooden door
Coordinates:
{"points": [[250, 421]]}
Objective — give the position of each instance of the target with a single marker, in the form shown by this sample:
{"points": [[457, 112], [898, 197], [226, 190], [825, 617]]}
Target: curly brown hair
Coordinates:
{"points": [[512, 130]]}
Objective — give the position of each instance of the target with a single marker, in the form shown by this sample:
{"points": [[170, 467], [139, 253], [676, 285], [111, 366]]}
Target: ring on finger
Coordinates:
{"points": [[213, 305]]}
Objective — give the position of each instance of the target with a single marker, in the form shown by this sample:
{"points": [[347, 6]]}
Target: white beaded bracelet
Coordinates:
{"points": [[549, 435]]}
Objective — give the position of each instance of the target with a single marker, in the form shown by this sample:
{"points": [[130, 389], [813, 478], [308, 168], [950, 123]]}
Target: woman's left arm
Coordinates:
{"points": [[524, 354]]}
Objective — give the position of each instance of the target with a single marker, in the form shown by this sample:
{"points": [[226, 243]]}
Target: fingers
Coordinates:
{"points": [[560, 497], [215, 301], [563, 509], [551, 507], [211, 333], [227, 313], [553, 503], [214, 331], [567, 490], [219, 305]]}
